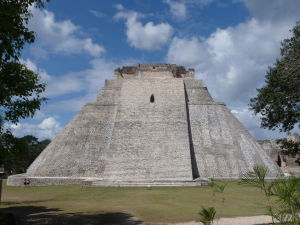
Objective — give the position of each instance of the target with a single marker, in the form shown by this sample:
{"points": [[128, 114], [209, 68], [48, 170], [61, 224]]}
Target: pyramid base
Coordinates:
{"points": [[19, 180]]}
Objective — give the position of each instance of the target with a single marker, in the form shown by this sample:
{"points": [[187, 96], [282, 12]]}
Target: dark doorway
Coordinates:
{"points": [[152, 98], [279, 160]]}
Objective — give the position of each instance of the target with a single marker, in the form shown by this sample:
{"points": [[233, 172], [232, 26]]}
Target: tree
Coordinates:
{"points": [[278, 101], [20, 88], [289, 147], [16, 154]]}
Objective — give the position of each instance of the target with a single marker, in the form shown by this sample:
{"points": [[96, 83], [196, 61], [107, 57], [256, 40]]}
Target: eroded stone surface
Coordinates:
{"points": [[152, 122]]}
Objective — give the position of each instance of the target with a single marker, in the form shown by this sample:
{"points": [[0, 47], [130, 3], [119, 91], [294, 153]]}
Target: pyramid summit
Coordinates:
{"points": [[152, 123]]}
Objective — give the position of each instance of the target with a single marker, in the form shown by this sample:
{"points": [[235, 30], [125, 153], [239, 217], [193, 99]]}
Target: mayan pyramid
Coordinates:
{"points": [[151, 123]]}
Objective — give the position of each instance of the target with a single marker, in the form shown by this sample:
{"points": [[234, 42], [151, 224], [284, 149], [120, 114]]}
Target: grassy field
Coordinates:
{"points": [[73, 204]]}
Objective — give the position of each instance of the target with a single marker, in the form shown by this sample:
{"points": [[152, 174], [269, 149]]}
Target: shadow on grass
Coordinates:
{"points": [[38, 215], [23, 202]]}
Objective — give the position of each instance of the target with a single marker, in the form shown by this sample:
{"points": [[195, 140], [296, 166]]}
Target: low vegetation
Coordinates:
{"points": [[207, 215], [76, 204], [282, 195]]}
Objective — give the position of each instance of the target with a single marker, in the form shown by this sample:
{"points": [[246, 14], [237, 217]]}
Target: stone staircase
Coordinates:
{"points": [[147, 184]]}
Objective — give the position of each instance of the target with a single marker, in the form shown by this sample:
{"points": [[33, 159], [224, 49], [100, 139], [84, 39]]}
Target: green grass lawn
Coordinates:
{"points": [[74, 204]]}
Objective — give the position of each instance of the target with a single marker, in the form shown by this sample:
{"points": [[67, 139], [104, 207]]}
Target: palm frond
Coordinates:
{"points": [[207, 215]]}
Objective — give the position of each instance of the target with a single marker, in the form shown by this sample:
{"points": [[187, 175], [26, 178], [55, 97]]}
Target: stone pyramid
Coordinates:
{"points": [[151, 123]]}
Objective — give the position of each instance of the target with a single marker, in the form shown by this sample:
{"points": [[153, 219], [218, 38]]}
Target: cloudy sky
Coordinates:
{"points": [[230, 43]]}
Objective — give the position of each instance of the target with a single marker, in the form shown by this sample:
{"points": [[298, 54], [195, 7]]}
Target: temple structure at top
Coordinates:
{"points": [[155, 70]]}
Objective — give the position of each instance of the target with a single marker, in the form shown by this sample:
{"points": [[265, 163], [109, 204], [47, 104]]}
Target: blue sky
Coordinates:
{"points": [[79, 44]]}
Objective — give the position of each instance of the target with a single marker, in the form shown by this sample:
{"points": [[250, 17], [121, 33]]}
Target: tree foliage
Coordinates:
{"points": [[282, 194], [19, 153], [289, 146], [20, 88], [278, 101]]}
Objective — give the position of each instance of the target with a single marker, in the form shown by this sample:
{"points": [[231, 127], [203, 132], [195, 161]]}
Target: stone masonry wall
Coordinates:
{"points": [[223, 147], [180, 136], [150, 140], [79, 150]]}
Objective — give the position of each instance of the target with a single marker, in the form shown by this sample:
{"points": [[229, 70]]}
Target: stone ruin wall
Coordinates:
{"points": [[275, 152], [183, 135]]}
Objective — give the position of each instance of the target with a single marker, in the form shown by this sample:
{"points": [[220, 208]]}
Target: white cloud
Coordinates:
{"points": [[70, 83], [47, 129], [84, 84], [39, 115], [97, 13], [67, 94], [274, 10], [200, 2], [233, 61], [119, 7], [45, 77], [91, 80], [187, 51], [57, 86], [147, 36], [61, 36], [177, 8], [249, 120]]}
